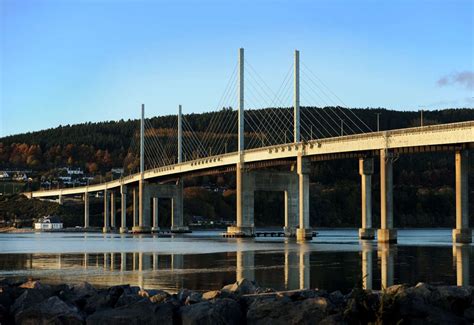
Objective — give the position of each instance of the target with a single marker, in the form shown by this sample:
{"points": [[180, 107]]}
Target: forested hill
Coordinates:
{"points": [[97, 147]]}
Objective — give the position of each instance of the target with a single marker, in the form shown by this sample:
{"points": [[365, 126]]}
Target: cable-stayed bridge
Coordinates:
{"points": [[251, 137]]}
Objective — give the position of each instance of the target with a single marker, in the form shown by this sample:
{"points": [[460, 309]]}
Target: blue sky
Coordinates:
{"points": [[71, 61]]}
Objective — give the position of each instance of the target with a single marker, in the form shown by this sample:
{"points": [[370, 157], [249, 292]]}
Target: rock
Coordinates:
{"points": [[102, 300], [32, 284], [335, 319], [219, 311], [84, 289], [50, 311], [159, 296], [126, 299], [242, 287], [453, 299], [209, 295], [27, 299], [193, 298], [469, 313], [141, 312], [183, 294], [284, 311], [4, 315]]}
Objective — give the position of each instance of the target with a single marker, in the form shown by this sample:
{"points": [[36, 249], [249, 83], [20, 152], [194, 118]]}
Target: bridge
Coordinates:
{"points": [[165, 180]]}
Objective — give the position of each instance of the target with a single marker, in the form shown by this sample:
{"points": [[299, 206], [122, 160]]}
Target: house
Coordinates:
{"points": [[48, 222]]}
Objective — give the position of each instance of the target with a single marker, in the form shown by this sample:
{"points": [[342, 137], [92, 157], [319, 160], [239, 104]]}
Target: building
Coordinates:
{"points": [[48, 223]]}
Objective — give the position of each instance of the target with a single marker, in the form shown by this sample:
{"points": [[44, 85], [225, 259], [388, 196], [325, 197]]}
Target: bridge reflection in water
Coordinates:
{"points": [[374, 266]]}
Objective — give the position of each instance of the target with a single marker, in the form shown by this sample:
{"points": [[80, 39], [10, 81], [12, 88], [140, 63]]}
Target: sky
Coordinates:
{"points": [[72, 61]]}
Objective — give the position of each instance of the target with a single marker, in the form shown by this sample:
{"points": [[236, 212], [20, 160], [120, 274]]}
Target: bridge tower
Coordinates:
{"points": [[143, 209], [296, 113]]}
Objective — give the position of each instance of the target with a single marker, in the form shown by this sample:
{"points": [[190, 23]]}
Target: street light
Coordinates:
{"points": [[378, 121]]}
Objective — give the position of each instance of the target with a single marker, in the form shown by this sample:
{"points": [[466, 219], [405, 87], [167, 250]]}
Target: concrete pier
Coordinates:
{"points": [[106, 227], [386, 234], [366, 169], [143, 210], [462, 233], [245, 226], [135, 207], [113, 210], [177, 212], [303, 169], [86, 210], [123, 210], [155, 215]]}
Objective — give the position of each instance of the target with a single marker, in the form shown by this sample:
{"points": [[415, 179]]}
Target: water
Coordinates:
{"points": [[335, 260]]}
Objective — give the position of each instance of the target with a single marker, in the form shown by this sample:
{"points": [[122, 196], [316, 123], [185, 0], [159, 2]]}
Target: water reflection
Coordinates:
{"points": [[461, 256], [293, 266]]}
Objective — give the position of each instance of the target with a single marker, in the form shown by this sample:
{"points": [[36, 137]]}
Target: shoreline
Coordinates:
{"points": [[244, 302]]}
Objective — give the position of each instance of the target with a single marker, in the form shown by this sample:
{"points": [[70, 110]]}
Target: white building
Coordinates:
{"points": [[49, 222]]}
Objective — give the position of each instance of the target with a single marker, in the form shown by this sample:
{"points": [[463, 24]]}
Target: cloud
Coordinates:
{"points": [[464, 79]]}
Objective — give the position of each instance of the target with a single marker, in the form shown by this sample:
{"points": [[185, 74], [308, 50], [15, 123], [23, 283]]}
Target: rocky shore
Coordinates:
{"points": [[243, 302]]}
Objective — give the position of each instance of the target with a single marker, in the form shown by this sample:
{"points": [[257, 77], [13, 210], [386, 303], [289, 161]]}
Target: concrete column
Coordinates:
{"points": [[155, 215], [135, 207], [123, 209], [86, 210], [461, 256], [462, 233], [303, 168], [245, 226], [386, 234], [296, 104], [106, 227], [366, 169], [386, 265], [177, 213], [291, 209], [61, 199], [143, 210], [367, 266], [113, 210]]}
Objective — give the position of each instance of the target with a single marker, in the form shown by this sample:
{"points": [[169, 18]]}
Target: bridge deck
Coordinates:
{"points": [[436, 135]]}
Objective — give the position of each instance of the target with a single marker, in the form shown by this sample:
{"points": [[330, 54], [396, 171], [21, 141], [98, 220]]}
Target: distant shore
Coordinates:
{"points": [[31, 301]]}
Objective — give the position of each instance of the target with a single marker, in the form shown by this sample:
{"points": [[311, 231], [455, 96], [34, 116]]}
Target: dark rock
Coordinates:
{"points": [[159, 296], [469, 313], [333, 320], [284, 311], [193, 298], [362, 306], [219, 311], [4, 315], [6, 298], [183, 294], [126, 299], [242, 287], [27, 299], [50, 311], [141, 312], [84, 289]]}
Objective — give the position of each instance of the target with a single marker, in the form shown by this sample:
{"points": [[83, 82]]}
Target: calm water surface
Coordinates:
{"points": [[335, 260]]}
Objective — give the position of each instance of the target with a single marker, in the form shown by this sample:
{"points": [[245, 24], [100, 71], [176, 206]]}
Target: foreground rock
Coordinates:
{"points": [[243, 302]]}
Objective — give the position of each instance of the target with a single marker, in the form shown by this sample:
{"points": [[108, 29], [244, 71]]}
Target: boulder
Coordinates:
{"points": [[51, 311], [27, 299], [159, 296], [141, 312], [126, 299], [35, 284], [193, 298], [84, 289], [219, 311], [214, 294], [242, 287], [284, 311]]}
